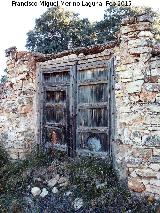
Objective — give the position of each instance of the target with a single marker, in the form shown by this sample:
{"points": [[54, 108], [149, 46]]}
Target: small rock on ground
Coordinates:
{"points": [[44, 192], [35, 191]]}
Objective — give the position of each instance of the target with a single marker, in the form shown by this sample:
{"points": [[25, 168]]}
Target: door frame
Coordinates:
{"points": [[71, 102]]}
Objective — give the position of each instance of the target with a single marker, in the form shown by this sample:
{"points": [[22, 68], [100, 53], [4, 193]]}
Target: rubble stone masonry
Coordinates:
{"points": [[136, 146], [17, 101], [137, 91]]}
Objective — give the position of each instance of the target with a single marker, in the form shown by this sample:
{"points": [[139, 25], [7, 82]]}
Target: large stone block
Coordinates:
{"points": [[155, 159], [155, 182], [134, 97], [146, 33], [133, 162], [137, 74], [152, 120], [135, 86], [154, 108], [131, 35], [146, 173], [139, 42], [153, 189], [3, 118], [135, 185], [18, 78], [133, 119], [142, 153], [144, 59], [155, 63], [153, 140], [155, 72], [125, 76], [156, 151], [147, 96], [152, 87], [135, 137], [129, 59], [23, 68], [140, 50], [151, 79], [26, 109], [128, 20], [155, 167], [121, 68], [145, 18], [144, 26]]}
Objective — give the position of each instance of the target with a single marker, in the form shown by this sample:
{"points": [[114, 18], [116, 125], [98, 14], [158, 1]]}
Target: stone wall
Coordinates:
{"points": [[19, 105], [136, 148], [137, 144], [18, 110]]}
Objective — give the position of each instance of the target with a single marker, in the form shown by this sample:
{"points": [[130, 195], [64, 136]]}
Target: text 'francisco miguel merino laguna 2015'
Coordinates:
{"points": [[82, 3]]}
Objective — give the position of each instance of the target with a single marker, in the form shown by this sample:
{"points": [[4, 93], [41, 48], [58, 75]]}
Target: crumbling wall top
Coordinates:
{"points": [[136, 19], [11, 52]]}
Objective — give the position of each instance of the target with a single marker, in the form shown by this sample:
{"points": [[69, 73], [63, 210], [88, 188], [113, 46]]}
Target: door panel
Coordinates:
{"points": [[55, 108], [94, 73], [92, 108], [56, 77], [92, 141], [55, 136], [55, 114], [93, 93], [93, 117], [55, 97]]}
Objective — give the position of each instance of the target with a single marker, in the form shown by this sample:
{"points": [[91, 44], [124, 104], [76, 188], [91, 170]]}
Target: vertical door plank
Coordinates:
{"points": [[73, 107]]}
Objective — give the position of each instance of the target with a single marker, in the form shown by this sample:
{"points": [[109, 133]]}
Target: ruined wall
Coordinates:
{"points": [[17, 105], [137, 144], [136, 149], [19, 97]]}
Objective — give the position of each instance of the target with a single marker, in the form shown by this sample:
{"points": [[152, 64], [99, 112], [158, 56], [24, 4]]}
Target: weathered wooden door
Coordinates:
{"points": [[55, 124], [94, 106], [77, 106]]}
